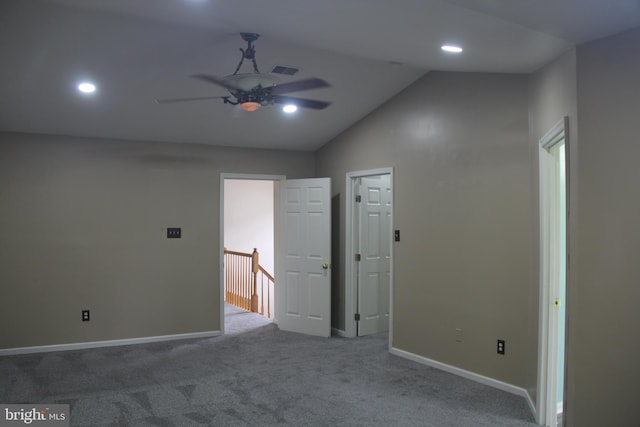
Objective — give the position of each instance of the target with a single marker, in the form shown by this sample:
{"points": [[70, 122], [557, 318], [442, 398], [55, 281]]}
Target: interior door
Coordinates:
{"points": [[304, 279], [557, 282], [553, 274], [374, 267]]}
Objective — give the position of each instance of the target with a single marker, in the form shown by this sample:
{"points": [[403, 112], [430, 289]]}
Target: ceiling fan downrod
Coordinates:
{"points": [[249, 52]]}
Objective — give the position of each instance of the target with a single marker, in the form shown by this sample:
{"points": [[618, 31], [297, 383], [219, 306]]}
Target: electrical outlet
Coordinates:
{"points": [[500, 346], [85, 315], [174, 233], [458, 334]]}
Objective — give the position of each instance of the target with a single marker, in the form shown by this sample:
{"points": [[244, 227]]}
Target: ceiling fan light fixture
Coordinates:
{"points": [[250, 106], [290, 108]]}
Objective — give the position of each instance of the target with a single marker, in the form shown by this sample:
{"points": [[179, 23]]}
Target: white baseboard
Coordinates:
{"points": [[510, 388], [109, 343], [338, 332], [532, 406]]}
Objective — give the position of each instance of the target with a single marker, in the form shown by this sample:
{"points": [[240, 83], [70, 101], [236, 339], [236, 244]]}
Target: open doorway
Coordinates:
{"points": [[369, 252], [553, 273], [247, 233]]}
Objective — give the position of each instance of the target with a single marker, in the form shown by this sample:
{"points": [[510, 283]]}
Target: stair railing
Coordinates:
{"points": [[247, 284]]}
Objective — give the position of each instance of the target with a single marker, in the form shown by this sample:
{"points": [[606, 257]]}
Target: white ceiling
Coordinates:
{"points": [[140, 50]]}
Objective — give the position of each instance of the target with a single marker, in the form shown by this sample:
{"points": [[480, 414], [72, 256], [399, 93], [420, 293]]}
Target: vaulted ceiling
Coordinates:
{"points": [[368, 50]]}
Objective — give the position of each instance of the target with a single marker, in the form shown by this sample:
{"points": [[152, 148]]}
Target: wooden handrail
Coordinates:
{"points": [[266, 273], [227, 251], [247, 283]]}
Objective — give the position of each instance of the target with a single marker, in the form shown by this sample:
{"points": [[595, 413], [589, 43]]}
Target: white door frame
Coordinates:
{"points": [[350, 290], [254, 177], [547, 328]]}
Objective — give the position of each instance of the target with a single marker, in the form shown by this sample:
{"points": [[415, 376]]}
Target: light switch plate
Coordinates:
{"points": [[174, 233]]}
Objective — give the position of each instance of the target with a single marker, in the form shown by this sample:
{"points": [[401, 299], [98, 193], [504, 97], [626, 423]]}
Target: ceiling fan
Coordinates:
{"points": [[253, 90]]}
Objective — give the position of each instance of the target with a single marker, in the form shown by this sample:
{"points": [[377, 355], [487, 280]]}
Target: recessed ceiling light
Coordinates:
{"points": [[87, 87], [290, 108], [451, 48]]}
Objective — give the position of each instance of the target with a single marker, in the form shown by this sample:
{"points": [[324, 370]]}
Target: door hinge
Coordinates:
{"points": [[358, 198], [357, 257], [357, 317]]}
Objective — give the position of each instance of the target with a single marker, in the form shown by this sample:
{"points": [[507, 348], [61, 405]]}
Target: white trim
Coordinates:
{"points": [[500, 385], [351, 298], [543, 309], [338, 332], [532, 406], [554, 135], [252, 177], [107, 343], [255, 177]]}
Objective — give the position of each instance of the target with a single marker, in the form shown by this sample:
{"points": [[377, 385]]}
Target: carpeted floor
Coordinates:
{"points": [[255, 375]]}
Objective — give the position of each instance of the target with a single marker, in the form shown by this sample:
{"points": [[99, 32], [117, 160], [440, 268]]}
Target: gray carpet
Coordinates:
{"points": [[255, 375]]}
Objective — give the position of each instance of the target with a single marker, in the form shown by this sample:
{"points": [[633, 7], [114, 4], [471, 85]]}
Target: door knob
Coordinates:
{"points": [[325, 266]]}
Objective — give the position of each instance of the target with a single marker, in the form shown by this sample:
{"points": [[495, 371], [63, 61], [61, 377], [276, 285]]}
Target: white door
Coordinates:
{"points": [[304, 278], [374, 267], [557, 282], [553, 274]]}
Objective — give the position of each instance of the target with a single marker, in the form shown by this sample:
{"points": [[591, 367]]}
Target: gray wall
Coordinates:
{"points": [[84, 224], [604, 309], [459, 146], [552, 96]]}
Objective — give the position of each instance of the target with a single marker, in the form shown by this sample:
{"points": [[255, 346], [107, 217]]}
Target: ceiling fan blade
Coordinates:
{"points": [[197, 98], [302, 102], [307, 84], [216, 81]]}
